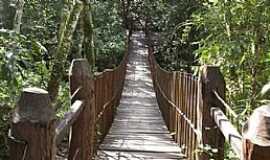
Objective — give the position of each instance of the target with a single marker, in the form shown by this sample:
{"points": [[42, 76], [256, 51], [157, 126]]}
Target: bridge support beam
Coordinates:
{"points": [[212, 138]]}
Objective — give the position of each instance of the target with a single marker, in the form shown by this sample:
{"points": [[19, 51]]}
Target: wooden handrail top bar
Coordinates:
{"points": [[69, 118], [36, 123], [228, 130], [72, 97], [106, 105], [170, 72], [179, 112], [226, 105], [101, 74]]}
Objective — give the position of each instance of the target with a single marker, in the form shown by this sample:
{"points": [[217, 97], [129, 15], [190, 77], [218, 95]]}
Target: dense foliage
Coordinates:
{"points": [[237, 39], [177, 38], [231, 34], [110, 34], [38, 40]]}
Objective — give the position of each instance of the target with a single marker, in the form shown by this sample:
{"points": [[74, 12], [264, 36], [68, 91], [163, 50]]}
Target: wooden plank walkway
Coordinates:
{"points": [[138, 131]]}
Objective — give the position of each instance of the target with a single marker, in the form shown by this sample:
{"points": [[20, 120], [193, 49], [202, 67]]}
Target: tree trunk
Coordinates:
{"points": [[257, 52], [11, 13], [89, 34], [81, 36], [7, 14], [67, 28], [18, 16]]}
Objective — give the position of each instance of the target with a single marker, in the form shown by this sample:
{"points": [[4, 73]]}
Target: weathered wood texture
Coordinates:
{"points": [[138, 131], [33, 127], [254, 143], [82, 133], [68, 120], [193, 110], [93, 103], [229, 131], [177, 96], [108, 88], [100, 94], [212, 80]]}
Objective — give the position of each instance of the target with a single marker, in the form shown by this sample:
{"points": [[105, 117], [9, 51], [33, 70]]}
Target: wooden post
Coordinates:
{"points": [[83, 130], [32, 134], [172, 98], [107, 98], [212, 80], [256, 135]]}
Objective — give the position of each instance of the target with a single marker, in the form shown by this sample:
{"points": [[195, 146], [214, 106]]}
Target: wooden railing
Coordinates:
{"points": [[108, 89], [253, 143], [177, 95], [35, 133], [195, 111]]}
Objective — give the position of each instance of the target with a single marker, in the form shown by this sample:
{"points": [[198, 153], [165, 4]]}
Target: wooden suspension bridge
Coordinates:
{"points": [[137, 111]]}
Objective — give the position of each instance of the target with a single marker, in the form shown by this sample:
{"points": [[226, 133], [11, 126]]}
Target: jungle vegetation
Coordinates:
{"points": [[39, 39]]}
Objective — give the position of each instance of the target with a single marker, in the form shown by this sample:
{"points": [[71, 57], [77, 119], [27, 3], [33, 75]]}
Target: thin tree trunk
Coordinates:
{"points": [[89, 34], [226, 14], [18, 16], [7, 14], [125, 10], [257, 52], [78, 54], [2, 14], [67, 28]]}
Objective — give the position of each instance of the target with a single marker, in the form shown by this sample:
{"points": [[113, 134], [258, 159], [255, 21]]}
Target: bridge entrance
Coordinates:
{"points": [[138, 130]]}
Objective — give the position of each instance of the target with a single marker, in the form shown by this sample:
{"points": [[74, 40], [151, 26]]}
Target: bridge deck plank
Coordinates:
{"points": [[139, 131]]}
